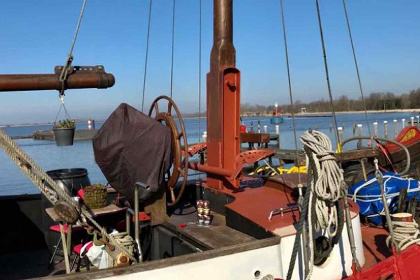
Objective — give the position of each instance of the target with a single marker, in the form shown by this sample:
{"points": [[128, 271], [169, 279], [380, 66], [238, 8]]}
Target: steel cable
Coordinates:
{"points": [[357, 66], [172, 46], [290, 86], [286, 52], [146, 54], [65, 71], [199, 75], [327, 73]]}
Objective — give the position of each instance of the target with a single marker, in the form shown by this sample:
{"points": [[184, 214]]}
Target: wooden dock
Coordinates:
{"points": [[286, 155]]}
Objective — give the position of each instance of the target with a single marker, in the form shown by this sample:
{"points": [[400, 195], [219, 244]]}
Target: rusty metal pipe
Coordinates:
{"points": [[223, 52], [223, 21], [210, 169], [25, 82]]}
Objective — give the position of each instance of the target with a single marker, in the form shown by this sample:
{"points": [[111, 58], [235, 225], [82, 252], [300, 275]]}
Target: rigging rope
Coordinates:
{"points": [[299, 228], [379, 178], [286, 52], [77, 27], [327, 74], [325, 178], [290, 86], [357, 67], [199, 75], [65, 70], [172, 46], [147, 54], [337, 137], [41, 180]]}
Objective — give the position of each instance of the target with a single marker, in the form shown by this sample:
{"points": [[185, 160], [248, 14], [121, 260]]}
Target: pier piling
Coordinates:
{"points": [[395, 128], [375, 128]]}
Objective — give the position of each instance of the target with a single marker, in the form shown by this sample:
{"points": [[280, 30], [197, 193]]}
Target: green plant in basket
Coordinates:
{"points": [[95, 196], [65, 124]]}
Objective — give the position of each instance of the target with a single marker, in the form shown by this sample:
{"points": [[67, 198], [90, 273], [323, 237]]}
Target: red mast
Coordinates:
{"points": [[223, 98]]}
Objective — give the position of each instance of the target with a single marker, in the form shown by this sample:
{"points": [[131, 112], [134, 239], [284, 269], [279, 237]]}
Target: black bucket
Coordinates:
{"points": [[64, 136], [71, 180]]}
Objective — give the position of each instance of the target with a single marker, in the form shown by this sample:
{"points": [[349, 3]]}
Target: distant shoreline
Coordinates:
{"points": [[245, 115], [369, 112], [329, 114]]}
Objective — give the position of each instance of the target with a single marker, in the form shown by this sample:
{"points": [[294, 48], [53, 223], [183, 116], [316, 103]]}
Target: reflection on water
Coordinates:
{"points": [[80, 155]]}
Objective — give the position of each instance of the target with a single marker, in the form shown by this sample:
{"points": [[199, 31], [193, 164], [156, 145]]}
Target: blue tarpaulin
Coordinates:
{"points": [[367, 194]]}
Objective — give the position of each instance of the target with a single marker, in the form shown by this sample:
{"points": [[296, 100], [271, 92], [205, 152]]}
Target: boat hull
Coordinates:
{"points": [[260, 258], [276, 120]]}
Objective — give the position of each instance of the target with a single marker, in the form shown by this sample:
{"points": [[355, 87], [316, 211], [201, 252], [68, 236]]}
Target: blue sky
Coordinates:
{"points": [[36, 36]]}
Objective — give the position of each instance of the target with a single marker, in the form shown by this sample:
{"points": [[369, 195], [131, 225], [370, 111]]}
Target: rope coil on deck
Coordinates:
{"points": [[405, 234]]}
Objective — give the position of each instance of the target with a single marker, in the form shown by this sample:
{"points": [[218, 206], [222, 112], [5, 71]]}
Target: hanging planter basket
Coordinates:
{"points": [[64, 133]]}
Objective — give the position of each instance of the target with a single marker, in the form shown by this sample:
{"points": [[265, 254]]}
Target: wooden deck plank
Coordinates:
{"points": [[110, 209], [217, 235]]}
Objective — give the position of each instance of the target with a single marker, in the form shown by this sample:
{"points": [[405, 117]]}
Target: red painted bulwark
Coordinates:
{"points": [[402, 266]]}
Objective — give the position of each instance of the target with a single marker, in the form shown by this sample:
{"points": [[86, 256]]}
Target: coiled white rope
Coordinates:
{"points": [[325, 177], [325, 180], [405, 234]]}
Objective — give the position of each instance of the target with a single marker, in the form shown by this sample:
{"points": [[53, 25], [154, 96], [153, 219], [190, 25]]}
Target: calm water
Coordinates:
{"points": [[50, 157]]}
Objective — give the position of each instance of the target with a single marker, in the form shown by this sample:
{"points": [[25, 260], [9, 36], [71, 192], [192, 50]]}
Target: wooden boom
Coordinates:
{"points": [[80, 77]]}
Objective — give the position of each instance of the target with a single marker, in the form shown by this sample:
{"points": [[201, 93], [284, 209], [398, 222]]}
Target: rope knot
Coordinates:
{"points": [[326, 155]]}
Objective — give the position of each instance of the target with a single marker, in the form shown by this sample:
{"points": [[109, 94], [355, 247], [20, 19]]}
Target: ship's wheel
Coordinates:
{"points": [[179, 144]]}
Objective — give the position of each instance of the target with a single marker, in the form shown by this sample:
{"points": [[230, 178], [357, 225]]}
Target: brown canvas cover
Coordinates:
{"points": [[131, 147]]}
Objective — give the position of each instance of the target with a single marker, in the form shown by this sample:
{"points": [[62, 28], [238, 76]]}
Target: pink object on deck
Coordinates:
{"points": [[81, 194]]}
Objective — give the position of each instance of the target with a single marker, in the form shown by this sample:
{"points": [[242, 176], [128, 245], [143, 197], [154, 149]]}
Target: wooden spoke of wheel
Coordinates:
{"points": [[180, 165]]}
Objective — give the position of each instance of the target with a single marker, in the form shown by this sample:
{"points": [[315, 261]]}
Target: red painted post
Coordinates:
{"points": [[223, 98]]}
